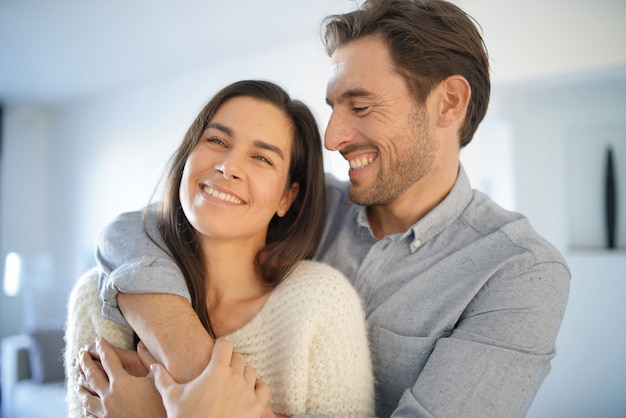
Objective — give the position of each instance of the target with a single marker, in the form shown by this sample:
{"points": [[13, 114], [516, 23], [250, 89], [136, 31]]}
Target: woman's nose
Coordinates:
{"points": [[230, 166]]}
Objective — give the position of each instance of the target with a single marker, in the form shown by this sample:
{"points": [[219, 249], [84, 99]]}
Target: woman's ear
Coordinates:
{"points": [[455, 95], [287, 199]]}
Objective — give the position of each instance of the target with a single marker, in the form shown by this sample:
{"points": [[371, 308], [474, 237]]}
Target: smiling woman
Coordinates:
{"points": [[236, 177], [242, 210]]}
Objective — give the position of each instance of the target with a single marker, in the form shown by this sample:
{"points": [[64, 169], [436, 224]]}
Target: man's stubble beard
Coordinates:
{"points": [[416, 149]]}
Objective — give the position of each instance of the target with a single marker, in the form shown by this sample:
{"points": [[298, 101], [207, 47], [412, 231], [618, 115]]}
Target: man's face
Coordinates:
{"points": [[376, 124]]}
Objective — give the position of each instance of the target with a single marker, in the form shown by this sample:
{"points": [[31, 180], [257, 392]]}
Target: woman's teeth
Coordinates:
{"points": [[222, 196]]}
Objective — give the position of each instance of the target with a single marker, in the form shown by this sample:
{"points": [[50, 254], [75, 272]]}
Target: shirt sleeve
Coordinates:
{"points": [[494, 361], [132, 258]]}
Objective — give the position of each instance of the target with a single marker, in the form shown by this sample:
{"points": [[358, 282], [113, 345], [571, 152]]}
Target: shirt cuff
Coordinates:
{"points": [[140, 275]]}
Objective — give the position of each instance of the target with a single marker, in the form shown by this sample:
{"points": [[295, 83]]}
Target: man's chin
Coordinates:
{"points": [[358, 196]]}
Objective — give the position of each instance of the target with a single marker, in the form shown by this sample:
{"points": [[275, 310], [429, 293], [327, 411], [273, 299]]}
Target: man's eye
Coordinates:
{"points": [[358, 110]]}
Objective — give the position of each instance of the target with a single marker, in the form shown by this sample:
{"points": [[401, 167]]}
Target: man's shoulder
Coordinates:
{"points": [[487, 218]]}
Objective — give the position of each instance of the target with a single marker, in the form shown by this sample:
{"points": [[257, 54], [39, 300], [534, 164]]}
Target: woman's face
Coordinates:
{"points": [[235, 179]]}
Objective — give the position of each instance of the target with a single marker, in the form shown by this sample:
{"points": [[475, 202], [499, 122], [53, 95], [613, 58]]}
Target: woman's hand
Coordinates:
{"points": [[109, 388], [226, 388]]}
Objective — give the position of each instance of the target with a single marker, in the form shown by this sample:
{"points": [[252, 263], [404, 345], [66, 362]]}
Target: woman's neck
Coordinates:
{"points": [[235, 289]]}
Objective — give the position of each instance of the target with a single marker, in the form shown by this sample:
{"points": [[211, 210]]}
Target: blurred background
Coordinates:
{"points": [[96, 96]]}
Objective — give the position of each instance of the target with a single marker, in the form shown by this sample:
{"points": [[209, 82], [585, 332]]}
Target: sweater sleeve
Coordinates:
{"points": [[341, 380], [131, 258], [84, 323]]}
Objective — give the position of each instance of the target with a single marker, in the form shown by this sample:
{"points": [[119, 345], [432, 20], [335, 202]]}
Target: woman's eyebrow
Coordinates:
{"points": [[220, 127], [257, 143], [273, 148]]}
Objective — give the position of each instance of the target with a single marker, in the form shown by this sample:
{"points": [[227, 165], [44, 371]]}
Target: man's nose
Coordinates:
{"points": [[338, 132]]}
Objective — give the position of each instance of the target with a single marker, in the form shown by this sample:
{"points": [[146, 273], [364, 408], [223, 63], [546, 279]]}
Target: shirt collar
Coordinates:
{"points": [[437, 219]]}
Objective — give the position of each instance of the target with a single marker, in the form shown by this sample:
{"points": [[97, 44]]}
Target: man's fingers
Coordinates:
{"points": [[108, 357], [91, 376], [91, 349]]}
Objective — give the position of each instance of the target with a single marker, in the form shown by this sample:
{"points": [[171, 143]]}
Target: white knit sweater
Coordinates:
{"points": [[308, 343]]}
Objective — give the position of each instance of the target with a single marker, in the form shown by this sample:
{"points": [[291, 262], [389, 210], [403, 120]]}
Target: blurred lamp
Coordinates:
{"points": [[13, 270]]}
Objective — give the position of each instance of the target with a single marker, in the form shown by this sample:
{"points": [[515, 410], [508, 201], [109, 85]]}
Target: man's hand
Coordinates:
{"points": [[109, 388], [226, 388]]}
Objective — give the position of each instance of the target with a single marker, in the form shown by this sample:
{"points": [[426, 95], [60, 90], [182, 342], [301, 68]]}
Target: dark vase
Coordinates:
{"points": [[610, 199]]}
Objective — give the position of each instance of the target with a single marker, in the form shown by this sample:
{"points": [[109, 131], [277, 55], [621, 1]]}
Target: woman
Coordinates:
{"points": [[242, 210]]}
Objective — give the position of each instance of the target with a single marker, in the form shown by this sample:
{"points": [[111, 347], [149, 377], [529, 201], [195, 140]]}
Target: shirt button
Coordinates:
{"points": [[416, 244]]}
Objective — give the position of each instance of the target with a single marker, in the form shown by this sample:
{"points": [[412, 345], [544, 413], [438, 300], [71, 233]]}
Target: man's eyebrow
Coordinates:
{"points": [[273, 148], [220, 127], [348, 94]]}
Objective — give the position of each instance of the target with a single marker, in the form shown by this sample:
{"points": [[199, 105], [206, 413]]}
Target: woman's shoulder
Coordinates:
{"points": [[316, 274], [319, 284]]}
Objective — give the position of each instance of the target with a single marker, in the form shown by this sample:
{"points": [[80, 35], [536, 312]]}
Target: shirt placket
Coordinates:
{"points": [[371, 274]]}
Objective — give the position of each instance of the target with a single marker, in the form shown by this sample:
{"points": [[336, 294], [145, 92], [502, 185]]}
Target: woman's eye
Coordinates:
{"points": [[216, 141], [263, 159]]}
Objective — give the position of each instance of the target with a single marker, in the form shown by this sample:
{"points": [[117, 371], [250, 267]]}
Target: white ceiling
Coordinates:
{"points": [[57, 50], [52, 51]]}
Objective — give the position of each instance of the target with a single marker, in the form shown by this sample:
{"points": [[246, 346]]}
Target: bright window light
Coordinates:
{"points": [[12, 274]]}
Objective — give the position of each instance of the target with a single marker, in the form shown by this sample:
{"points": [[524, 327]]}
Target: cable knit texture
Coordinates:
{"points": [[308, 343]]}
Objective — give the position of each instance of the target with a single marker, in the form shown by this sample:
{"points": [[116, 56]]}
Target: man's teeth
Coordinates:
{"points": [[222, 196], [360, 163]]}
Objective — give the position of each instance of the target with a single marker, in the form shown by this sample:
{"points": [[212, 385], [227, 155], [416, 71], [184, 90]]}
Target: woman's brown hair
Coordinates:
{"points": [[290, 238], [429, 40]]}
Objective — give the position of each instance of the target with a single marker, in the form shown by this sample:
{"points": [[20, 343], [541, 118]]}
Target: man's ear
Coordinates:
{"points": [[455, 95]]}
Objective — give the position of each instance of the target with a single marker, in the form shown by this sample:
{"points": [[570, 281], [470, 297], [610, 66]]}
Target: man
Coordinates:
{"points": [[463, 299]]}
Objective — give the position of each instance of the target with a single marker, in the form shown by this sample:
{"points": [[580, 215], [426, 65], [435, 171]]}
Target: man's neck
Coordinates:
{"points": [[415, 203]]}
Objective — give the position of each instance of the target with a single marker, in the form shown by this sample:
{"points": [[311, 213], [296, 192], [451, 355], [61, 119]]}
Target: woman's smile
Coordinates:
{"points": [[221, 195]]}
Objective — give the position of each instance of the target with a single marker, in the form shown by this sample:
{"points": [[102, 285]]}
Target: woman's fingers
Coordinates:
{"points": [[144, 355], [92, 405], [222, 352], [163, 381], [263, 391], [238, 363], [249, 375]]}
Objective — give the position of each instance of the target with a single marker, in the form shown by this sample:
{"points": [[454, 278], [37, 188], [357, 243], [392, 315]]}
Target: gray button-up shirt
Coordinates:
{"points": [[463, 308]]}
